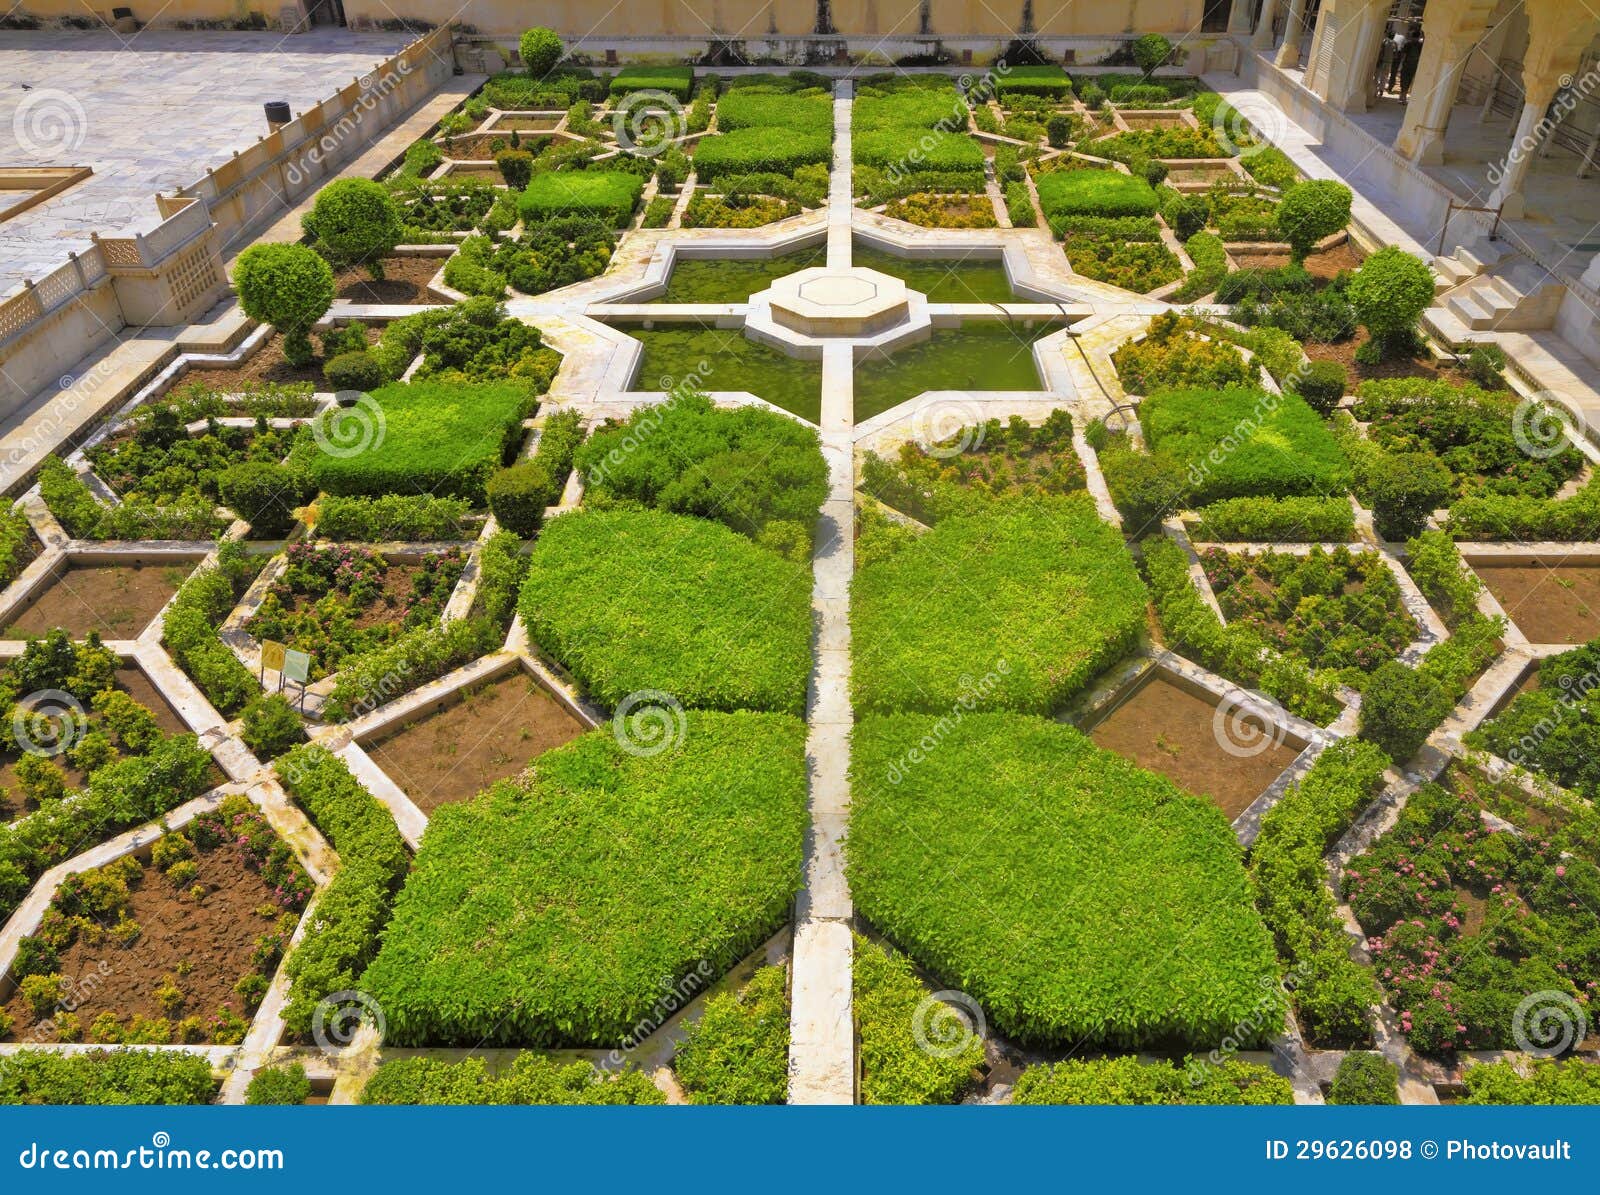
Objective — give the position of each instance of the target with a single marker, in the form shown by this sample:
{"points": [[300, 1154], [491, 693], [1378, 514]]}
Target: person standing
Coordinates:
{"points": [[1410, 55], [1393, 43]]}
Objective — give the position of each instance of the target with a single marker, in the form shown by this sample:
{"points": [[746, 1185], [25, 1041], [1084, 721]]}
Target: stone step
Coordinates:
{"points": [[1470, 311]]}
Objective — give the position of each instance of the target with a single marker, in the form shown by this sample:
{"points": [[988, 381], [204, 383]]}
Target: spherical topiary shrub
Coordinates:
{"points": [[355, 222], [1365, 1078], [516, 167], [1399, 707], [358, 370], [1151, 51], [287, 286], [518, 496], [265, 496], [1404, 488], [1322, 384], [540, 49], [1310, 211], [1389, 292]]}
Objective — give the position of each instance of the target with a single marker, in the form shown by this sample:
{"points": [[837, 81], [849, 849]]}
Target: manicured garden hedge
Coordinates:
{"points": [[1094, 193], [760, 150], [189, 628], [1277, 520], [914, 149], [417, 657], [105, 1077], [438, 438], [891, 1006], [1334, 995], [676, 81], [1027, 600], [1080, 900], [1033, 80], [530, 1079], [1134, 1081], [640, 599], [1242, 442], [558, 908], [1548, 1082], [606, 195], [749, 109], [1553, 729], [738, 1051]]}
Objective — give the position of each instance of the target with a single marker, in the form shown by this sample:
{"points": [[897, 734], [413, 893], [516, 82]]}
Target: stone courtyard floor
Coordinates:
{"points": [[149, 112]]}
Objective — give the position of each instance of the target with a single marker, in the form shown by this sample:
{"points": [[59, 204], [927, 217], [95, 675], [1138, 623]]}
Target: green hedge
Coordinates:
{"points": [[1080, 900], [738, 1051], [1094, 193], [530, 1079], [1277, 520], [629, 600], [410, 518], [750, 109], [1548, 1082], [607, 195], [1135, 1081], [414, 659], [1496, 516], [891, 1005], [1210, 259], [1033, 80], [1044, 597], [903, 150], [1334, 995], [189, 629], [439, 438], [106, 1077], [676, 81], [760, 150], [563, 907], [1242, 442]]}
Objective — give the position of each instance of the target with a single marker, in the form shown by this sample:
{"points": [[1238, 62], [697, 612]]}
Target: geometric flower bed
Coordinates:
{"points": [[553, 910], [1048, 597], [1465, 921], [180, 948], [1550, 727], [1081, 901]]}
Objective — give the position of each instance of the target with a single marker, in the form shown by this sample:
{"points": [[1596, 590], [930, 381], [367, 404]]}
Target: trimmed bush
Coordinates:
{"points": [[1365, 1078], [279, 1085], [1399, 707], [676, 81], [738, 1051], [540, 49], [1173, 354], [1548, 1082], [1270, 167], [760, 150], [1239, 443], [1049, 598], [1277, 520], [106, 1077], [519, 494], [442, 438], [287, 286], [355, 221], [189, 630], [747, 108], [1310, 211], [392, 518], [1403, 489], [1134, 1081], [531, 1079], [1150, 52], [1043, 80], [1094, 193], [515, 166], [414, 659], [605, 195], [745, 467], [890, 1005], [271, 726], [266, 496], [1189, 960], [551, 910], [357, 370], [904, 150], [628, 600], [1389, 291], [1322, 384]]}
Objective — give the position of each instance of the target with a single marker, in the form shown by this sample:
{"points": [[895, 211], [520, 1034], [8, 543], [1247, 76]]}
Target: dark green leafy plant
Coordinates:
{"points": [[287, 286], [1365, 1078], [355, 221]]}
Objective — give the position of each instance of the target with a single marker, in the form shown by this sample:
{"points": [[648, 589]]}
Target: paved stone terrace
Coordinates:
{"points": [[149, 112]]}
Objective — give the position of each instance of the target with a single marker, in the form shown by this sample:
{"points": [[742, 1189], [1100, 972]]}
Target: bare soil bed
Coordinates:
{"points": [[1549, 602], [405, 281], [1169, 730], [470, 741], [118, 600]]}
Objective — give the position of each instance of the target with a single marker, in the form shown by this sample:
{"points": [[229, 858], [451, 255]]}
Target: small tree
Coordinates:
{"points": [[1310, 211], [541, 49], [1399, 706], [287, 286], [1404, 488], [1389, 292], [1150, 52], [355, 221]]}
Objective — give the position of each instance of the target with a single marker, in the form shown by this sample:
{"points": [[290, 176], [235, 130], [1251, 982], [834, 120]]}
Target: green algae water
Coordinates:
{"points": [[723, 359], [988, 355], [727, 280], [942, 279]]}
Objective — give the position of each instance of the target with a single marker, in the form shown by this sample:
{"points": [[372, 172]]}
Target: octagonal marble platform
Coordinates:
{"points": [[838, 302]]}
